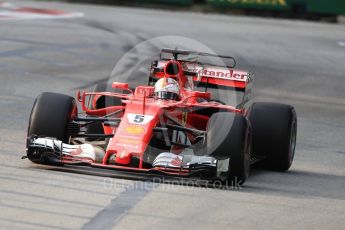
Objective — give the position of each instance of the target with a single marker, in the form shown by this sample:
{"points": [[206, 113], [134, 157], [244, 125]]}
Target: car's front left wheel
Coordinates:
{"points": [[228, 137], [50, 116]]}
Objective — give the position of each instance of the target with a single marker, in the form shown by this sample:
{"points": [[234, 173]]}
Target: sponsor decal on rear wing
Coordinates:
{"points": [[227, 74], [220, 76], [215, 74]]}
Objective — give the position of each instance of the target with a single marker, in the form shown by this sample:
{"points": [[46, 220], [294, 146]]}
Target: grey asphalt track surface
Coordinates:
{"points": [[295, 62]]}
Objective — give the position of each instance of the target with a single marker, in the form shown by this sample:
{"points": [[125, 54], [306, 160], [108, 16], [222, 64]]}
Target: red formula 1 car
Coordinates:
{"points": [[179, 124]]}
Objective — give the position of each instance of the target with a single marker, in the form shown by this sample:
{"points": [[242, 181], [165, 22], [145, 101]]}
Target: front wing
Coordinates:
{"points": [[51, 151]]}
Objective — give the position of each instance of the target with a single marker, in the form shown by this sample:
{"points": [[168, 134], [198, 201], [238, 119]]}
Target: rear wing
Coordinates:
{"points": [[210, 74], [176, 54], [221, 76]]}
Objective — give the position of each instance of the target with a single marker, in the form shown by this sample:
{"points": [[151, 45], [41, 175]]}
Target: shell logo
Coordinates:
{"points": [[134, 129]]}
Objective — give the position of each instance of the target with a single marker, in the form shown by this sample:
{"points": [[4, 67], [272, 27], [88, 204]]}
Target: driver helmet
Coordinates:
{"points": [[167, 89]]}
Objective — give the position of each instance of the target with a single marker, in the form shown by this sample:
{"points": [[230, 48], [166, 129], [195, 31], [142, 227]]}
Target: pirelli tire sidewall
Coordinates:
{"points": [[228, 136], [50, 115], [274, 131]]}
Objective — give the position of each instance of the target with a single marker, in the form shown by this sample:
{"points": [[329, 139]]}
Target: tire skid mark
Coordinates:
{"points": [[120, 206]]}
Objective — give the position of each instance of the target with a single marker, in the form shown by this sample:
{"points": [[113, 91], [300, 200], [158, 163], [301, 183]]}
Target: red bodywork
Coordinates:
{"points": [[141, 113]]}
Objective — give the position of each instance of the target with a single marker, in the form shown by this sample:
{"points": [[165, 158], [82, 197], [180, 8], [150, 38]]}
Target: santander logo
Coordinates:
{"points": [[214, 72], [228, 74]]}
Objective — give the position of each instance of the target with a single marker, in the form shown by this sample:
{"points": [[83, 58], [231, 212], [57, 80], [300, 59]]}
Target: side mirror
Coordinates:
{"points": [[120, 85], [79, 97]]}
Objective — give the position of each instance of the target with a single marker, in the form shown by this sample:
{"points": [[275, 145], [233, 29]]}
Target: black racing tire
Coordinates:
{"points": [[102, 102], [50, 116], [228, 136], [274, 132]]}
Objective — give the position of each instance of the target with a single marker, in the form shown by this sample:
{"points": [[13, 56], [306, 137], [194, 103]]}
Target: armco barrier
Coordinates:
{"points": [[138, 2], [335, 7], [309, 6], [252, 4], [326, 6], [175, 2]]}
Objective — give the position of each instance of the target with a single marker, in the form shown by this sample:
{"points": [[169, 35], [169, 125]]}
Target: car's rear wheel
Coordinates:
{"points": [[274, 128], [49, 117], [228, 136]]}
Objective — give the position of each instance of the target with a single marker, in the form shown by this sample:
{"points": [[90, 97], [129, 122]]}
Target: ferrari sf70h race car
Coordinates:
{"points": [[194, 135]]}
